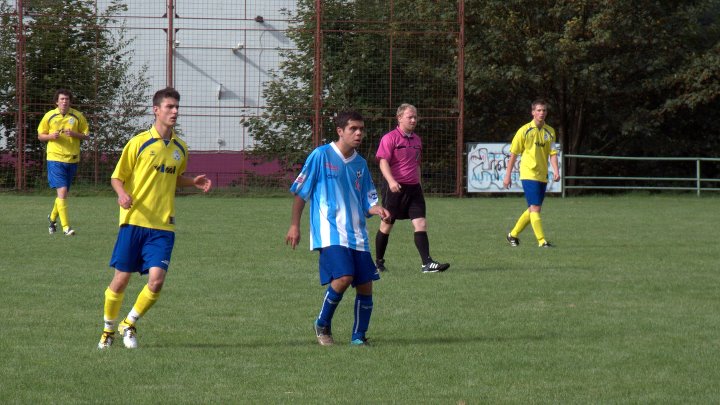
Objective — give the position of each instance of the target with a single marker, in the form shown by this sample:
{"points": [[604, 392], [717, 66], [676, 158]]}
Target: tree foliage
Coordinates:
{"points": [[617, 73], [356, 41], [69, 44], [634, 77]]}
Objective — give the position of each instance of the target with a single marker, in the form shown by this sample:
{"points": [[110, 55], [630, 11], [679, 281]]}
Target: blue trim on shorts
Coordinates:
{"points": [[340, 261], [137, 249], [61, 174], [534, 191]]}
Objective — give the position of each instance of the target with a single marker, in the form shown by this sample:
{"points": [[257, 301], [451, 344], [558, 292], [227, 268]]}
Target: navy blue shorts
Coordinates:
{"points": [[408, 203], [61, 174], [339, 261], [137, 249], [534, 191]]}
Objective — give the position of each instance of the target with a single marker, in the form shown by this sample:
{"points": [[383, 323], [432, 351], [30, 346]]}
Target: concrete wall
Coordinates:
{"points": [[222, 58]]}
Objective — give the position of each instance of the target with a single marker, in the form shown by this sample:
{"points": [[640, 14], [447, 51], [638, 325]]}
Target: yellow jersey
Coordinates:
{"points": [[536, 145], [149, 168], [66, 148]]}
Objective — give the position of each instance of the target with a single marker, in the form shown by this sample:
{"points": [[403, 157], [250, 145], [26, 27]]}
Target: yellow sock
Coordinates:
{"points": [[522, 222], [145, 300], [54, 212], [537, 227], [113, 302], [61, 205]]}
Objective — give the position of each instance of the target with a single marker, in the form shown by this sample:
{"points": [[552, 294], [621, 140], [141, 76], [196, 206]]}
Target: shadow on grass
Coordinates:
{"points": [[380, 342]]}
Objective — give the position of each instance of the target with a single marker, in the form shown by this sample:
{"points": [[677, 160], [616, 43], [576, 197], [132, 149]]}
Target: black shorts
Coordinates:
{"points": [[408, 203]]}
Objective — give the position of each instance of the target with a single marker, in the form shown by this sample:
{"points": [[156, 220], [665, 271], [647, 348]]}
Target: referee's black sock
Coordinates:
{"points": [[381, 242], [423, 246]]}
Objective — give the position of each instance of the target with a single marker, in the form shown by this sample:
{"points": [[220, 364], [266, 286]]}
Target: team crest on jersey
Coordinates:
{"points": [[176, 155], [358, 176]]}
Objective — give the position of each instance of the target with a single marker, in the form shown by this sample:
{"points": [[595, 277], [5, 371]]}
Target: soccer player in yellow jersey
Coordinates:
{"points": [[150, 168], [62, 128], [535, 141]]}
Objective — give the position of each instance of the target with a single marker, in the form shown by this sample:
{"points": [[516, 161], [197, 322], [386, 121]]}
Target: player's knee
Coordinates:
{"points": [[156, 279], [155, 285], [341, 284], [119, 282], [364, 289]]}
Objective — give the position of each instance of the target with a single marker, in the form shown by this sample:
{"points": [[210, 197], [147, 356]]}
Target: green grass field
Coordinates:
{"points": [[624, 310]]}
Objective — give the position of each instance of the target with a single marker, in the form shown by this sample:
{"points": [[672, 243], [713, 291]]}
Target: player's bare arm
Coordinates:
{"points": [[73, 134], [379, 211], [293, 235], [508, 171], [387, 173], [555, 166], [124, 199], [201, 182], [48, 137]]}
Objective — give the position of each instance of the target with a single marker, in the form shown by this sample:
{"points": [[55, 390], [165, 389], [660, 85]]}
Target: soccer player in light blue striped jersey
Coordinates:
{"points": [[337, 182]]}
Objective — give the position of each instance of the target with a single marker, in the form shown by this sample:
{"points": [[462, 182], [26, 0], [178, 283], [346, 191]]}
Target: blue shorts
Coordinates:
{"points": [[137, 249], [534, 191], [61, 174], [339, 261]]}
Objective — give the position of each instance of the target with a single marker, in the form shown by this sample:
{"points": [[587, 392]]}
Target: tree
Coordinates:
{"points": [[614, 71], [356, 43], [632, 78], [69, 44]]}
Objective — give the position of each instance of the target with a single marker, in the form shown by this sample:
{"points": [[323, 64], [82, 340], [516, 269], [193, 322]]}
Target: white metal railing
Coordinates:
{"points": [[694, 183]]}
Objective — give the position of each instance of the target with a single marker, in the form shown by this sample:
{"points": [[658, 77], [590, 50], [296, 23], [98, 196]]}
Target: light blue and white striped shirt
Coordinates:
{"points": [[341, 192]]}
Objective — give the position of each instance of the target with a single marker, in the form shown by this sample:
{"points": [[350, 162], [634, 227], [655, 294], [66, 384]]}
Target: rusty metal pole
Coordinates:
{"points": [[95, 147], [461, 101], [170, 42], [317, 82], [390, 64], [21, 134]]}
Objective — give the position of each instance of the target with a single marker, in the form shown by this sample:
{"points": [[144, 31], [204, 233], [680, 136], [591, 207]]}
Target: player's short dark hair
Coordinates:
{"points": [[539, 101], [63, 92], [167, 92], [342, 118]]}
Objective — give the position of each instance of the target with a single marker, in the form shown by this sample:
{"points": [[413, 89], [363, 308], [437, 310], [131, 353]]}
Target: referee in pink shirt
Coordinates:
{"points": [[399, 156]]}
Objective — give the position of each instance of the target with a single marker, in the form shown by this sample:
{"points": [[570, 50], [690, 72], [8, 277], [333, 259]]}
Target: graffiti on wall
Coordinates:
{"points": [[486, 167]]}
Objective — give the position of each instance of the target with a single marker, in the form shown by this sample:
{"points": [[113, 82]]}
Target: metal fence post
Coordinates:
{"points": [[562, 176], [697, 174]]}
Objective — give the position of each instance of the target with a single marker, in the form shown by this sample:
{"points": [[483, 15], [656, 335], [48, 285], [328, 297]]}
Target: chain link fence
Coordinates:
{"points": [[222, 56]]}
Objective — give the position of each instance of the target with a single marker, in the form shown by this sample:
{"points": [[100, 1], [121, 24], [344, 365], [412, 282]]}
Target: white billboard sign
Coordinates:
{"points": [[486, 167]]}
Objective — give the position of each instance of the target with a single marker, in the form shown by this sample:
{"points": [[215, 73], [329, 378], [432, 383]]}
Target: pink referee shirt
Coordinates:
{"points": [[403, 153]]}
